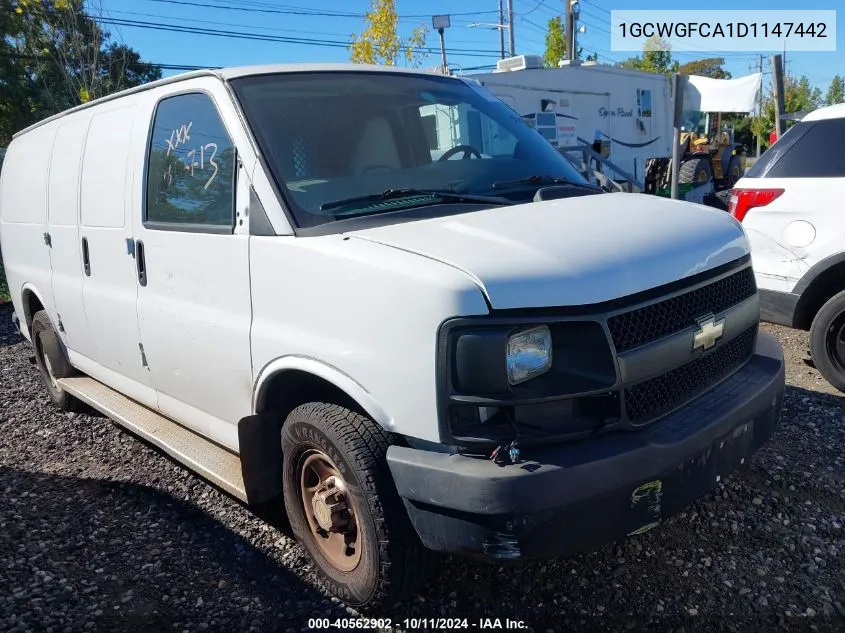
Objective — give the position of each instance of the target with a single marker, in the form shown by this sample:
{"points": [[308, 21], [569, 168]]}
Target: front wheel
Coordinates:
{"points": [[343, 506], [695, 171], [827, 341]]}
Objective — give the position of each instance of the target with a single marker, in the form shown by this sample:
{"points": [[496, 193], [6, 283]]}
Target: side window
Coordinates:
{"points": [[644, 103], [191, 165], [547, 126], [815, 154]]}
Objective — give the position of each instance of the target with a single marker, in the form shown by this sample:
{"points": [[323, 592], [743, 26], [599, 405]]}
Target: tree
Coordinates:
{"points": [[799, 96], [379, 42], [556, 48], [656, 58], [836, 91], [555, 43], [709, 67], [54, 56]]}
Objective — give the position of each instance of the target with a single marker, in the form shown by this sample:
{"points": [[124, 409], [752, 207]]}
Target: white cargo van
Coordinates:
{"points": [[267, 273]]}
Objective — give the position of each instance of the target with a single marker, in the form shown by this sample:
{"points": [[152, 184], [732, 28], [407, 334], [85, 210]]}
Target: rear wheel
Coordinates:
{"points": [[827, 341], [695, 171], [343, 506], [51, 361]]}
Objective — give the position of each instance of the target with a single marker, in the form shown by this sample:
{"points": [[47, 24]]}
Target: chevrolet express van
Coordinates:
{"points": [[380, 298]]}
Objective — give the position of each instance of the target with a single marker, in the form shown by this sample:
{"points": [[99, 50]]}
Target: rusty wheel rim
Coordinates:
{"points": [[330, 512]]}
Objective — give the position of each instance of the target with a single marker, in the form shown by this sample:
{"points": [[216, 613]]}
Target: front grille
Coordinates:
{"points": [[654, 321], [652, 398]]}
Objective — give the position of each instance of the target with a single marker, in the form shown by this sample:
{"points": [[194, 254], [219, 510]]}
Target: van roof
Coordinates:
{"points": [[227, 74]]}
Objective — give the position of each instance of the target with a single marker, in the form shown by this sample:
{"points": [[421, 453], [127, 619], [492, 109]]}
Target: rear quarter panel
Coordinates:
{"points": [[803, 226], [23, 217]]}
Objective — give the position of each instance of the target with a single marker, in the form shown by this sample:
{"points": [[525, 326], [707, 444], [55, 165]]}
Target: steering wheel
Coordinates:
{"points": [[468, 152]]}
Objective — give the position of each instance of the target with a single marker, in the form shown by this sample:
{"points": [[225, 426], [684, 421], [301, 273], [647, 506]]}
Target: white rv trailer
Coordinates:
{"points": [[628, 111]]}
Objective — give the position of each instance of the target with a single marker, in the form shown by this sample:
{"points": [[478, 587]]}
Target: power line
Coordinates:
{"points": [[230, 24], [293, 10], [536, 6], [283, 39], [47, 58]]}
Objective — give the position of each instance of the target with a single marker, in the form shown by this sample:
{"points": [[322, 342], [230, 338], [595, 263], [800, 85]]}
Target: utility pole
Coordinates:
{"points": [[570, 31], [678, 93], [760, 107], [777, 80], [501, 30], [510, 28]]}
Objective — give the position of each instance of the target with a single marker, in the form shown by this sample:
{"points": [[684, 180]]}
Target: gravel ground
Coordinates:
{"points": [[100, 532]]}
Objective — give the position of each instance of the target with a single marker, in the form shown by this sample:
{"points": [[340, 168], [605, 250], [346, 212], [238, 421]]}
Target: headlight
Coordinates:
{"points": [[529, 354]]}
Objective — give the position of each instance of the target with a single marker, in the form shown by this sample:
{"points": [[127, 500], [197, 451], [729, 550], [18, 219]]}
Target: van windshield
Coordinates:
{"points": [[335, 141]]}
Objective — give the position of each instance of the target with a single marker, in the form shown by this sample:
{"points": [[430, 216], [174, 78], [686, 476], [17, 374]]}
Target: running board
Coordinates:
{"points": [[211, 461]]}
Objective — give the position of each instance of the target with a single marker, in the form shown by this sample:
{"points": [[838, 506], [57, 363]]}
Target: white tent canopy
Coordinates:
{"points": [[722, 95]]}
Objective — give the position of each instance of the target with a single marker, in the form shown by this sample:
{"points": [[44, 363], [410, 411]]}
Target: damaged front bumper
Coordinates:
{"points": [[581, 495]]}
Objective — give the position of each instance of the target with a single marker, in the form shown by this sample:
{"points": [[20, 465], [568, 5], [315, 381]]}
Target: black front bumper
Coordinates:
{"points": [[580, 495]]}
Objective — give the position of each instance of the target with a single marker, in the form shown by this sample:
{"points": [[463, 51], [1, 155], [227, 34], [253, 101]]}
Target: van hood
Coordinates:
{"points": [[574, 251]]}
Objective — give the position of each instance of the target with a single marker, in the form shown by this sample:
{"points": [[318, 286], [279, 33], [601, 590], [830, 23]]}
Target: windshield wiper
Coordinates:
{"points": [[390, 194], [540, 179]]}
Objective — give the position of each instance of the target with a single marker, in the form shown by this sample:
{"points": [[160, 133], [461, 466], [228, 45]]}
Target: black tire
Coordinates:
{"points": [[827, 341], [392, 559], [48, 346], [695, 171], [735, 171]]}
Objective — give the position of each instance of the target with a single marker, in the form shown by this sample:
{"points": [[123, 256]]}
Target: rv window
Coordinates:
{"points": [[644, 103], [429, 123], [191, 164], [546, 119]]}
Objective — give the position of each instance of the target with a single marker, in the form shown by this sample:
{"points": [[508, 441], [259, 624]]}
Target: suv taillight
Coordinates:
{"points": [[743, 200]]}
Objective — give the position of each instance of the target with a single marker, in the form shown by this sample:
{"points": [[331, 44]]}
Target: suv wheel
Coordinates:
{"points": [[52, 362], [827, 341], [343, 506]]}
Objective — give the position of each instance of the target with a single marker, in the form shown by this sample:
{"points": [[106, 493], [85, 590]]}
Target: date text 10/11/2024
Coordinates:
{"points": [[418, 624]]}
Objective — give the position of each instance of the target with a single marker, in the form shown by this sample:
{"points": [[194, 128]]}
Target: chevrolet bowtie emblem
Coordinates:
{"points": [[710, 330]]}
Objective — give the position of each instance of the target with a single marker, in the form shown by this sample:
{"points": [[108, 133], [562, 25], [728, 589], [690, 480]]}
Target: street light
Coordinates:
{"points": [[499, 27], [441, 22]]}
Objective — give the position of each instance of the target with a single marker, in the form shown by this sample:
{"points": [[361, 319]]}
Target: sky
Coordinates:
{"points": [[318, 31]]}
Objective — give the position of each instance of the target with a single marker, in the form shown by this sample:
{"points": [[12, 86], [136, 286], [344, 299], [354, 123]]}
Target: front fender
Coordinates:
{"points": [[330, 374]]}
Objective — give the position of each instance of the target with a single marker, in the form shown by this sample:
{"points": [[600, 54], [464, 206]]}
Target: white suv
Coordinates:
{"points": [[791, 206]]}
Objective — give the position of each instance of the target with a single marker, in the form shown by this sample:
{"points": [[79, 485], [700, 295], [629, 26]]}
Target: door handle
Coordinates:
{"points": [[141, 262], [86, 260]]}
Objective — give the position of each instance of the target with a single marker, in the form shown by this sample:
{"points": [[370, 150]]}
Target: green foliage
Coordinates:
{"points": [[379, 43], [743, 134], [54, 56], [710, 67], [556, 43], [799, 96], [836, 91], [656, 58]]}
